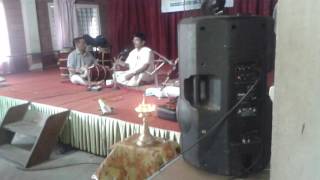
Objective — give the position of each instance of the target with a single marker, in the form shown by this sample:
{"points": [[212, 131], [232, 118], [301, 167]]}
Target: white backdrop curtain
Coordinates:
{"points": [[66, 22], [4, 37]]}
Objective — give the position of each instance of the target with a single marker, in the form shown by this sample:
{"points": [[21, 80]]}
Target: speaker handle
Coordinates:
{"points": [[196, 90]]}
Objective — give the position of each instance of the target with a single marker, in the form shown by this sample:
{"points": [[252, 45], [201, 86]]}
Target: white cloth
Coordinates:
{"points": [[66, 22], [168, 91], [77, 79], [136, 60]]}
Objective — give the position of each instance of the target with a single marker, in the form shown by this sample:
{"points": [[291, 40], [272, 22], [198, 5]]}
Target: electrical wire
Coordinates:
{"points": [[247, 171], [223, 118], [214, 126]]}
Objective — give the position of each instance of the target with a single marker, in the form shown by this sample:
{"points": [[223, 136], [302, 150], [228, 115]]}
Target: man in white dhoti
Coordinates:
{"points": [[137, 65]]}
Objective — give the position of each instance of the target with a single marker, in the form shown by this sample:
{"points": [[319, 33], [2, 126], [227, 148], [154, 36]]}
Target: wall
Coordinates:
{"points": [[296, 125]]}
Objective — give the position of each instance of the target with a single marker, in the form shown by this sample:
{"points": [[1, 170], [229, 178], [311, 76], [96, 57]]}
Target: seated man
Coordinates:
{"points": [[138, 63], [78, 62]]}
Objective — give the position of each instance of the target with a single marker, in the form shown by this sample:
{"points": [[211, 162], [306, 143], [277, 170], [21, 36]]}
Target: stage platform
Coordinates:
{"points": [[86, 129]]}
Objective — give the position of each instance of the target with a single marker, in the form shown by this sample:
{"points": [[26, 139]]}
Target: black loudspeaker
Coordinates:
{"points": [[221, 58]]}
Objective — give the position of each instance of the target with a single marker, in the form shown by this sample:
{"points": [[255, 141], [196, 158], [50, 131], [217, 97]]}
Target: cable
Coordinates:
{"points": [[247, 171], [223, 118], [214, 126]]}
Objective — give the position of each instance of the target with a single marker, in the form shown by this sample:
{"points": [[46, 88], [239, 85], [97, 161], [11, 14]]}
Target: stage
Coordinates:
{"points": [[86, 129]]}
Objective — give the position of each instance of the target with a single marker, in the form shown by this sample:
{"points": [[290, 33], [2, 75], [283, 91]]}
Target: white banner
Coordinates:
{"points": [[180, 5], [229, 3]]}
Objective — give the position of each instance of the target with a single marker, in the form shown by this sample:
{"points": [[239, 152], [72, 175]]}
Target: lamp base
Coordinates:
{"points": [[146, 140]]}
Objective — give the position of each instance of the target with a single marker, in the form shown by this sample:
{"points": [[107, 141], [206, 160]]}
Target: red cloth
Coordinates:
{"points": [[126, 17]]}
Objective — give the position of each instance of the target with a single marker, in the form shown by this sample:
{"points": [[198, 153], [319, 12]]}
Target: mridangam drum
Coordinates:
{"points": [[98, 73]]}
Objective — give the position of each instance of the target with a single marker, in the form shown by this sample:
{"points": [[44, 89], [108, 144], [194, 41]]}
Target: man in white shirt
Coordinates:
{"points": [[78, 62], [137, 65]]}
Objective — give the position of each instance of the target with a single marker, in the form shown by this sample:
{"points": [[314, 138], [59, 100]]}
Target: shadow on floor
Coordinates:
{"points": [[64, 164]]}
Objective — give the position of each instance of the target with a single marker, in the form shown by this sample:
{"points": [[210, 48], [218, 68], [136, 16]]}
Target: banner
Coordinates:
{"points": [[229, 3], [180, 5]]}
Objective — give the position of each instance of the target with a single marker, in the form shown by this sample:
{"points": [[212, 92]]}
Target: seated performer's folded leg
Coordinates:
{"points": [[119, 77], [136, 80], [77, 79]]}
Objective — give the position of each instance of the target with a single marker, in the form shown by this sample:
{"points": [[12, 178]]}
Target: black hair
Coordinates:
{"points": [[140, 35], [76, 40]]}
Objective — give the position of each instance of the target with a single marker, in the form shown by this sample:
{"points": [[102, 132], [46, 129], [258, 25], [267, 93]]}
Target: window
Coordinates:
{"points": [[88, 21]]}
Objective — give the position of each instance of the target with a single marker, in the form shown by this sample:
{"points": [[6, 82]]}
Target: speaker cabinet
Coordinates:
{"points": [[221, 57]]}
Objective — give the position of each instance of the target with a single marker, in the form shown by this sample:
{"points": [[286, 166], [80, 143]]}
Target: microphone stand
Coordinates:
{"points": [[114, 77], [89, 79], [161, 61], [115, 83]]}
